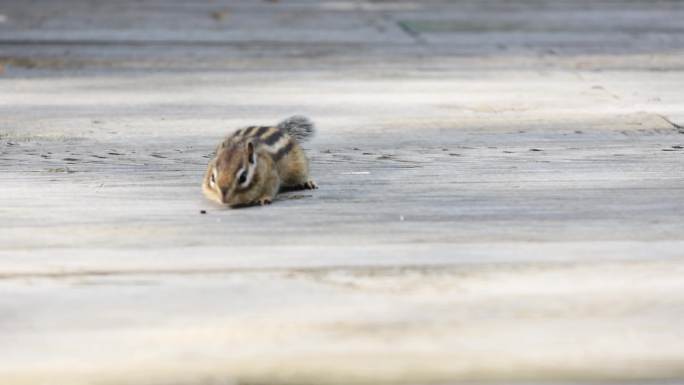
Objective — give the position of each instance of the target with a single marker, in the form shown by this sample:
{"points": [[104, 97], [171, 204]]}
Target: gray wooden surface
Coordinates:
{"points": [[502, 193]]}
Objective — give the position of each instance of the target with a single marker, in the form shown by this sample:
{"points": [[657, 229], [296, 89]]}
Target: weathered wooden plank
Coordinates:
{"points": [[407, 325]]}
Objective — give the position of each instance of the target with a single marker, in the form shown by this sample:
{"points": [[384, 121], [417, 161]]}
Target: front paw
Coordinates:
{"points": [[310, 185], [264, 201]]}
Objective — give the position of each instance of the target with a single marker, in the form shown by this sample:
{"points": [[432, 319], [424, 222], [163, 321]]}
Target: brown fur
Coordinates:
{"points": [[290, 171]]}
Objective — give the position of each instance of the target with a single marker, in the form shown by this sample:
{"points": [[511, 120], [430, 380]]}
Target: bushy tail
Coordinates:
{"points": [[299, 127]]}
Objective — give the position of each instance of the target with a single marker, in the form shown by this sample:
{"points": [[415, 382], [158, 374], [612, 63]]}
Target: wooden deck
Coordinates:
{"points": [[502, 193]]}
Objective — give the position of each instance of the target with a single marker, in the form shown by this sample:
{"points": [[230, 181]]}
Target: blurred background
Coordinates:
{"points": [[215, 35]]}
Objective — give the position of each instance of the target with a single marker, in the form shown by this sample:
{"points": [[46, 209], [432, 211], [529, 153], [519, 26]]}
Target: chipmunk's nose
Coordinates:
{"points": [[224, 195]]}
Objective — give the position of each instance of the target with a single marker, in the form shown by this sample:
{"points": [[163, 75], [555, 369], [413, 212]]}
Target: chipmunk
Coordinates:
{"points": [[253, 164]]}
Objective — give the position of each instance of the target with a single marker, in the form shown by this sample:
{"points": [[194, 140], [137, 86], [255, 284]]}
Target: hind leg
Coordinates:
{"points": [[294, 171], [309, 185]]}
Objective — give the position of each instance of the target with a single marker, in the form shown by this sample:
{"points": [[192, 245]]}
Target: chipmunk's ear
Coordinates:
{"points": [[250, 152]]}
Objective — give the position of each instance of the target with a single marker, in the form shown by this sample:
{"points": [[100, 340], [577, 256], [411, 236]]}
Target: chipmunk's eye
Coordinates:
{"points": [[243, 177]]}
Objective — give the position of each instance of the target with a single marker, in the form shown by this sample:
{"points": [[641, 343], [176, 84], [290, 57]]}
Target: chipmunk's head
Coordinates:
{"points": [[231, 172]]}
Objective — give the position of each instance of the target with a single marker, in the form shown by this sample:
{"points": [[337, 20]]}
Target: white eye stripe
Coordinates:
{"points": [[248, 175], [212, 179], [239, 172]]}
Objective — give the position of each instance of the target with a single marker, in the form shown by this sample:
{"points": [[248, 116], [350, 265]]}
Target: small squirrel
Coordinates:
{"points": [[253, 164]]}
